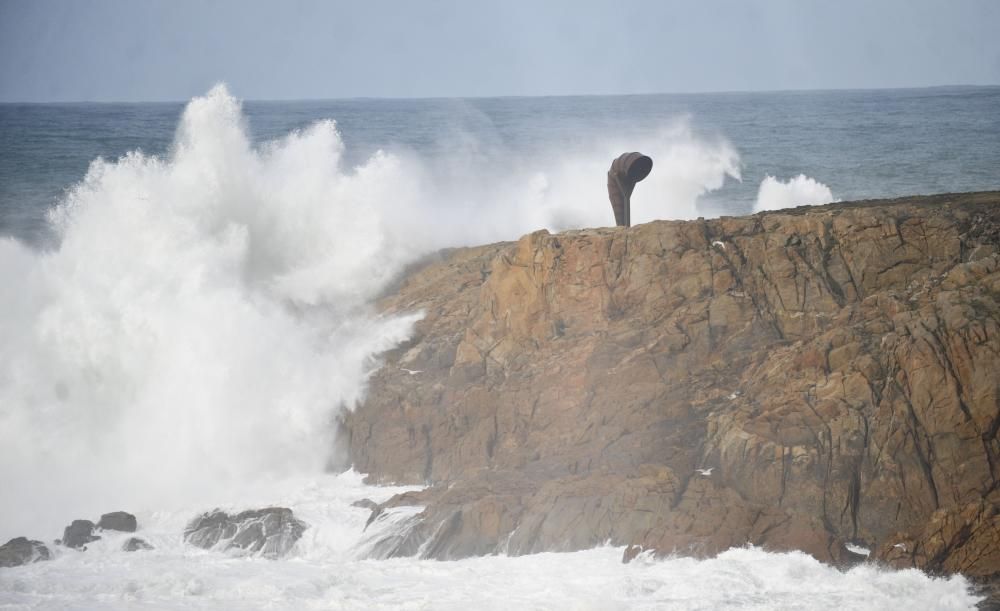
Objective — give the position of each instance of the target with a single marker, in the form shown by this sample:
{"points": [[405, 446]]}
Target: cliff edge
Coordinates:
{"points": [[815, 379]]}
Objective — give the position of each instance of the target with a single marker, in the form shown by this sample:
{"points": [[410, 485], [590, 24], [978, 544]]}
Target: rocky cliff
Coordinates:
{"points": [[803, 379]]}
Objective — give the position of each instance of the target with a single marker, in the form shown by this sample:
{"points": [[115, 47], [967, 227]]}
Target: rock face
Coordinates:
{"points": [[78, 534], [835, 367], [270, 532], [22, 551], [118, 520]]}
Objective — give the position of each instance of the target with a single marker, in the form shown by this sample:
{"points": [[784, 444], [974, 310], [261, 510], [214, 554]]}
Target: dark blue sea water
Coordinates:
{"points": [[862, 144]]}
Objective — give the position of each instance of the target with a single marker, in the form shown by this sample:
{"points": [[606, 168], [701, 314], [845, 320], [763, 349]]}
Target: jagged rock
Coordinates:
{"points": [[78, 534], [631, 553], [118, 520], [135, 544], [957, 540], [22, 550], [835, 365], [270, 532]]}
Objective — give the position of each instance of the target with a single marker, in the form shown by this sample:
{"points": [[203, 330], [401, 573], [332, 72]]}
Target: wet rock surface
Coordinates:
{"points": [[78, 534], [269, 532], [835, 367], [22, 550]]}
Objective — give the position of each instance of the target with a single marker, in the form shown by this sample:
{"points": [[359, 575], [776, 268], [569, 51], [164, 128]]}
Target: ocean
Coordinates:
{"points": [[862, 144], [188, 298]]}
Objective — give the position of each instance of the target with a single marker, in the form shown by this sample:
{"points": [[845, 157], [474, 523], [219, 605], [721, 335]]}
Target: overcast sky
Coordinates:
{"points": [[105, 50]]}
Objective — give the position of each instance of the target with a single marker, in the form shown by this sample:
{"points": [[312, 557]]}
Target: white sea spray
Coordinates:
{"points": [[775, 194], [204, 315]]}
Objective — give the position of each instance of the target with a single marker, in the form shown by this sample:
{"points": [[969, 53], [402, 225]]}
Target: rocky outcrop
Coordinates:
{"points": [[81, 532], [269, 532], [118, 520], [835, 367], [78, 534], [22, 550]]}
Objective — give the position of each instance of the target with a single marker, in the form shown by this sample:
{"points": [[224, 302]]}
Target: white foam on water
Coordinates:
{"points": [[325, 572], [775, 194]]}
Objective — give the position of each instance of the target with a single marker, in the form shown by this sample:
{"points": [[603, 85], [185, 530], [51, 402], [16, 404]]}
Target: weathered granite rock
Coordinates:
{"points": [[135, 544], [118, 520], [270, 532], [835, 366], [22, 550], [78, 534]]}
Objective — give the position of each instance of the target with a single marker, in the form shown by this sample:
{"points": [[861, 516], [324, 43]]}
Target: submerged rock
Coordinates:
{"points": [[135, 544], [22, 550], [118, 520], [270, 532], [78, 534]]}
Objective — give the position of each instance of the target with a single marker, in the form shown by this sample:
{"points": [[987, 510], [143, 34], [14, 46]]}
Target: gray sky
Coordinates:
{"points": [[105, 50]]}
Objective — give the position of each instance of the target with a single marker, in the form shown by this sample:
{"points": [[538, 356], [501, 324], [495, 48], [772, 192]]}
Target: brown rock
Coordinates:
{"points": [[835, 366]]}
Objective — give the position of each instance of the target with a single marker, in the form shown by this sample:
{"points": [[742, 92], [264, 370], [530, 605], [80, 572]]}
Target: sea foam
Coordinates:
{"points": [[327, 572]]}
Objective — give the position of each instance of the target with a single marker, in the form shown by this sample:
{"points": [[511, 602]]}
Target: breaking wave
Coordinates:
{"points": [[801, 190], [204, 315]]}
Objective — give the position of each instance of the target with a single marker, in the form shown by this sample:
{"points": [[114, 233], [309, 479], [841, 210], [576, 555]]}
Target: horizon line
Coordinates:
{"points": [[519, 96]]}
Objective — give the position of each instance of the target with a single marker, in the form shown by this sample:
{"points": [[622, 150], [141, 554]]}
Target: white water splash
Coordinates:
{"points": [[206, 314], [201, 321], [801, 190]]}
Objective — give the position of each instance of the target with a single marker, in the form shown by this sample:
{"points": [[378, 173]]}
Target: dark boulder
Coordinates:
{"points": [[22, 551], [269, 532], [135, 544], [78, 534], [118, 520]]}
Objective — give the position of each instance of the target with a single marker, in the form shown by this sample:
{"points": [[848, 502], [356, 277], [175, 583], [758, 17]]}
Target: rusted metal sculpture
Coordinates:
{"points": [[625, 171]]}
